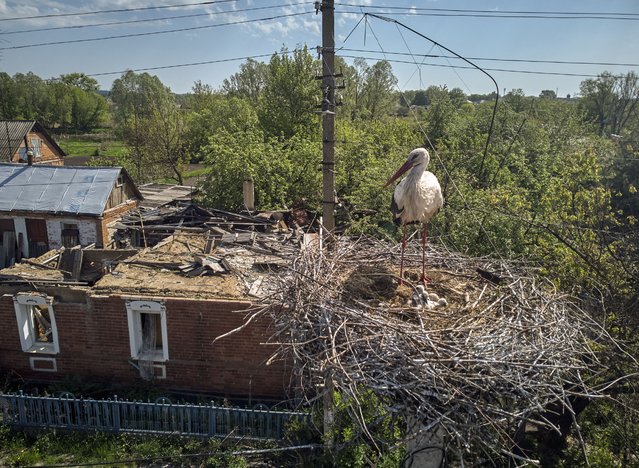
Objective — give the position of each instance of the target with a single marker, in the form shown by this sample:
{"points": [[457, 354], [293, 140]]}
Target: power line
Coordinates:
{"points": [[152, 33], [146, 20], [475, 15], [120, 10], [192, 64], [560, 62], [496, 13], [247, 57], [532, 72], [208, 62]]}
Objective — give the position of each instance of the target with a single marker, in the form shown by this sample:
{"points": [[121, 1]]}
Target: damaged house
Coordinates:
{"points": [[173, 312], [48, 207]]}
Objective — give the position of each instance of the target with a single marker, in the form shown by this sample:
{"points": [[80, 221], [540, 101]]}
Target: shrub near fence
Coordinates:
{"points": [[160, 417]]}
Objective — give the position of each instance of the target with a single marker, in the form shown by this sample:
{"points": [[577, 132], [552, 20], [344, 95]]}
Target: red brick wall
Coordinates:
{"points": [[94, 343], [110, 216]]}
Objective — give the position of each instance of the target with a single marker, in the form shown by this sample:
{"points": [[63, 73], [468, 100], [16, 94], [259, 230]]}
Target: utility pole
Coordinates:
{"points": [[328, 113], [327, 8]]}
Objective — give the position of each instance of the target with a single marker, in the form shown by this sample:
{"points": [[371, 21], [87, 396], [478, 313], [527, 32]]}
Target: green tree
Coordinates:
{"points": [[287, 103], [233, 114], [439, 113], [81, 81], [420, 99], [248, 82], [152, 124], [32, 98], [377, 96], [284, 171], [548, 94], [610, 101], [9, 93]]}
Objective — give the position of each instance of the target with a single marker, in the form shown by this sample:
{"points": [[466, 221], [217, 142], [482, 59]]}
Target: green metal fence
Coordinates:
{"points": [[160, 417]]}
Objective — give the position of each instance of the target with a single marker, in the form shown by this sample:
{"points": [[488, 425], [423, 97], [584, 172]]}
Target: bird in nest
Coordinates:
{"points": [[416, 199]]}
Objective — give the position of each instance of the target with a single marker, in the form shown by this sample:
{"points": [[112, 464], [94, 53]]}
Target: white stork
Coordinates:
{"points": [[416, 199]]}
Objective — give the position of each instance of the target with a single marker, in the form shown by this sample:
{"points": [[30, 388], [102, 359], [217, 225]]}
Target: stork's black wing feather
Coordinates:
{"points": [[396, 210]]}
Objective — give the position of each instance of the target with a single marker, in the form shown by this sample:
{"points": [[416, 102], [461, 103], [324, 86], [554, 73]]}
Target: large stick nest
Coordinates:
{"points": [[503, 351]]}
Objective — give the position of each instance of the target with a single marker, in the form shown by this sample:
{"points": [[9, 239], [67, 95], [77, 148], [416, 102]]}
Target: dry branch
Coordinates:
{"points": [[495, 358]]}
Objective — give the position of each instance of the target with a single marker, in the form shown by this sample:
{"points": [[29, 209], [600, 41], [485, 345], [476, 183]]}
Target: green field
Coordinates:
{"points": [[89, 145]]}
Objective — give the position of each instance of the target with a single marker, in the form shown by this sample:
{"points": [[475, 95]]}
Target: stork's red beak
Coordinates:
{"points": [[407, 165]]}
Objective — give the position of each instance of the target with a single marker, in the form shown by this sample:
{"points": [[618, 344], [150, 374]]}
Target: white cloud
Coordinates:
{"points": [[284, 27]]}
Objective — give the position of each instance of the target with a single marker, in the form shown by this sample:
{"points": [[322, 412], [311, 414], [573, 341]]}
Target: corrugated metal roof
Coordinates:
{"points": [[12, 134], [56, 189]]}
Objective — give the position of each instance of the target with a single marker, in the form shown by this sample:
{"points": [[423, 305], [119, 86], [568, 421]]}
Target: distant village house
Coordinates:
{"points": [[17, 137]]}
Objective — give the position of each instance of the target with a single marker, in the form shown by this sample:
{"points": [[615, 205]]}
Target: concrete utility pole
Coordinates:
{"points": [[327, 8], [328, 113]]}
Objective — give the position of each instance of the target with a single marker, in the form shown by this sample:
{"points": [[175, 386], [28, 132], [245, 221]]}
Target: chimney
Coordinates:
{"points": [[29, 158], [249, 194]]}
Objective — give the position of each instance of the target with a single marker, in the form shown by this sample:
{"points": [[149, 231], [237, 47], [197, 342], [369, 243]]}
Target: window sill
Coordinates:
{"points": [[157, 356], [42, 349]]}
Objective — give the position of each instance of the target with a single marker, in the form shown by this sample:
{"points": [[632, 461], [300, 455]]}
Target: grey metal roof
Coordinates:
{"points": [[12, 133], [56, 189]]}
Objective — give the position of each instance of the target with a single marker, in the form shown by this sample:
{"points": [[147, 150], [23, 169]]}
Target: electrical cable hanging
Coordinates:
{"points": [[146, 20], [119, 10], [153, 33], [492, 119]]}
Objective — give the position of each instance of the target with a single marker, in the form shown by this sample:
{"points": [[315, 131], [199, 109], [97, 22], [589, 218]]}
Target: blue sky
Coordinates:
{"points": [[590, 40]]}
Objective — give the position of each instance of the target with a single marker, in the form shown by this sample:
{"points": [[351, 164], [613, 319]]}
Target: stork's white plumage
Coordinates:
{"points": [[417, 198]]}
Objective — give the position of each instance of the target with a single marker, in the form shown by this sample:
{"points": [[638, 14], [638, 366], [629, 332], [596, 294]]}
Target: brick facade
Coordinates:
{"points": [[93, 337]]}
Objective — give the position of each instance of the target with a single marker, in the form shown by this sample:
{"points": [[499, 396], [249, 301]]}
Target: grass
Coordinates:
{"points": [[51, 447], [200, 172], [81, 148], [100, 142], [75, 147]]}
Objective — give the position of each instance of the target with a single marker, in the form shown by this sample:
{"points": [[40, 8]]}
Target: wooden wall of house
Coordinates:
{"points": [[48, 153], [122, 192], [94, 344]]}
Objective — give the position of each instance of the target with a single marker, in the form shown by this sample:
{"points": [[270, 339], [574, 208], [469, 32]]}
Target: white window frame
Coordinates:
{"points": [[51, 361], [26, 328], [134, 310], [36, 147]]}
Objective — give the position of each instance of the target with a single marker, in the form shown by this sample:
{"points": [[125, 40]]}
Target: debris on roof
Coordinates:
{"points": [[147, 227], [180, 250], [156, 195], [77, 265]]}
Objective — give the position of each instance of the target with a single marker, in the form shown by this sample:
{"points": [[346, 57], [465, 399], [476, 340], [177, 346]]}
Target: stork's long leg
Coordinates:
{"points": [[424, 256], [401, 264]]}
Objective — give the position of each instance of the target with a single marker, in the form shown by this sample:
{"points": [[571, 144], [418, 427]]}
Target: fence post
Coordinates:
{"points": [[212, 416], [116, 414], [22, 417]]}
